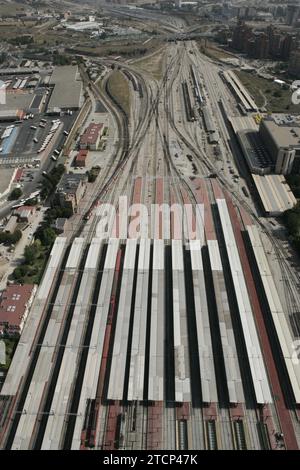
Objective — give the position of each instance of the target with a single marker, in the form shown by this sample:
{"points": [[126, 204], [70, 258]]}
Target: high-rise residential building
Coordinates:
{"points": [[287, 45], [294, 64], [292, 15], [241, 34]]}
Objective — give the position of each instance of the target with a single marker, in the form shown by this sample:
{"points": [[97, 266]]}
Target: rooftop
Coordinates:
{"points": [[13, 303], [67, 88], [284, 133], [69, 183], [16, 101], [91, 134], [275, 194]]}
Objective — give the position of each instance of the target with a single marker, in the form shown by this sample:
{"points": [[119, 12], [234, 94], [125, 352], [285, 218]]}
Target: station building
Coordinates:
{"points": [[281, 137]]}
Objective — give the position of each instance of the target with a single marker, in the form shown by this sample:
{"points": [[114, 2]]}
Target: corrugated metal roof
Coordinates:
{"points": [[257, 366], [275, 194], [53, 436], [43, 368], [181, 346], [138, 347], [157, 328], [280, 318], [118, 364], [205, 352]]}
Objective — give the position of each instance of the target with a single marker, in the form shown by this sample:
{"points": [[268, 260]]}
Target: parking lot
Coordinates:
{"points": [[30, 136]]}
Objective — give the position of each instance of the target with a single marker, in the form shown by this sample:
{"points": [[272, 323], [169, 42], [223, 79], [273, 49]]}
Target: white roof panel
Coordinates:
{"points": [[75, 253]]}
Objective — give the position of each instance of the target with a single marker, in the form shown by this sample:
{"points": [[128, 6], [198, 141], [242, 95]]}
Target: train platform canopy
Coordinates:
{"points": [[243, 123], [275, 194]]}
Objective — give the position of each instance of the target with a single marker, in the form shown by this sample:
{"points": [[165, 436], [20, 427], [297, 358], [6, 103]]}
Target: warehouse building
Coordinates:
{"points": [[71, 190], [17, 104], [208, 120], [15, 302], [67, 88], [281, 137], [11, 115]]}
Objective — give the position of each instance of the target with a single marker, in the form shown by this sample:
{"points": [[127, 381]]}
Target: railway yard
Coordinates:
{"points": [[168, 312]]}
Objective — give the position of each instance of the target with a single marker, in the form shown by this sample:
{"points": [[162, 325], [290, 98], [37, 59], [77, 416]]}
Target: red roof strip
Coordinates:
{"points": [[159, 200], [202, 197], [137, 190], [18, 175], [218, 193], [191, 221]]}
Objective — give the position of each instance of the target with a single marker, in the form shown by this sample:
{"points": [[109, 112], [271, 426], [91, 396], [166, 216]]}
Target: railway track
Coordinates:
{"points": [[129, 152]]}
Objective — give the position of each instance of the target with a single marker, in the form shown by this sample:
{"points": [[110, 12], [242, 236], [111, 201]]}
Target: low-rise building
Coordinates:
{"points": [[90, 139], [60, 224], [71, 190], [80, 160], [24, 213], [15, 302]]}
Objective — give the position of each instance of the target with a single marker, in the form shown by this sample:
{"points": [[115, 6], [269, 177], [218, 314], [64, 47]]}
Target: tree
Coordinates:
{"points": [[17, 274], [15, 194], [30, 254], [16, 236], [48, 236]]}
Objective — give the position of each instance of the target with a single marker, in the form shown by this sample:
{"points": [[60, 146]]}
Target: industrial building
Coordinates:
{"points": [[281, 136], [15, 302], [208, 120], [154, 343], [71, 190], [67, 89]]}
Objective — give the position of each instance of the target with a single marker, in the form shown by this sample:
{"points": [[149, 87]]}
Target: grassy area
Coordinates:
{"points": [[292, 221], [214, 52], [278, 99], [10, 346], [132, 49], [119, 88], [11, 9], [31, 272], [152, 65]]}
